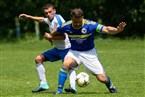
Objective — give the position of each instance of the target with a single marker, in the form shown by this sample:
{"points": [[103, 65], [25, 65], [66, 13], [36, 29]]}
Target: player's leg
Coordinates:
{"points": [[49, 55], [93, 65], [72, 79], [41, 74], [71, 72], [106, 80], [68, 62], [98, 71], [101, 76]]}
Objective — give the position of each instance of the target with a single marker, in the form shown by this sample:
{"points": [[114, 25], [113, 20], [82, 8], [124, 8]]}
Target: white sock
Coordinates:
{"points": [[72, 78], [41, 73]]}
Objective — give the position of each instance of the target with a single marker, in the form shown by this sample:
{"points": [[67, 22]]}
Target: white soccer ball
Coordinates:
{"points": [[82, 79]]}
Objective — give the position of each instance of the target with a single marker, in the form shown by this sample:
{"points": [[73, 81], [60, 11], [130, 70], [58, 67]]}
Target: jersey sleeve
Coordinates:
{"points": [[46, 20], [59, 19], [94, 26], [62, 19], [99, 28]]}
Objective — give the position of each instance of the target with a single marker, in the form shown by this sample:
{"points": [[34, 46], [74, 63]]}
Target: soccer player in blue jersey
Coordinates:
{"points": [[81, 34], [61, 42]]}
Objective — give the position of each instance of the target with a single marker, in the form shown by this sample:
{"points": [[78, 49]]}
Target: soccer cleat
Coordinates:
{"points": [[41, 87], [112, 89], [71, 90], [57, 92]]}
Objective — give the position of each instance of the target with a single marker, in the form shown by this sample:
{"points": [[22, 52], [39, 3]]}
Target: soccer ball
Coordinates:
{"points": [[82, 79]]}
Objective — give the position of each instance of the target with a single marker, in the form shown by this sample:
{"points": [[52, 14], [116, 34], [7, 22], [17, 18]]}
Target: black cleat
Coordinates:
{"points": [[70, 90], [112, 89]]}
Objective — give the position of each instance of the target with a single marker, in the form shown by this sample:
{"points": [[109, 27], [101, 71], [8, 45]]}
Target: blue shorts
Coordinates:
{"points": [[55, 54]]}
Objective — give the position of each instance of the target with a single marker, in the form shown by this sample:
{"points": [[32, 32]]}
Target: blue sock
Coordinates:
{"points": [[108, 83], [62, 78]]}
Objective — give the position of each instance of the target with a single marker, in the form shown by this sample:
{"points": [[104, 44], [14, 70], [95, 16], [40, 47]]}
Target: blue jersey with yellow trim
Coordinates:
{"points": [[81, 39]]}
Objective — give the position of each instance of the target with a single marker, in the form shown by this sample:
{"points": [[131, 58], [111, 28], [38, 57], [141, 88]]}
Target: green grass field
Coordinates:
{"points": [[123, 61]]}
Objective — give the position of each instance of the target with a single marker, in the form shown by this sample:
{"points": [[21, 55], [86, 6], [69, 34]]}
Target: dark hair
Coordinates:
{"points": [[77, 13], [48, 6]]}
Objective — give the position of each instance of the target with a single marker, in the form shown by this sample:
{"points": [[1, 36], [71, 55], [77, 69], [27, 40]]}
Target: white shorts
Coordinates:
{"points": [[89, 59]]}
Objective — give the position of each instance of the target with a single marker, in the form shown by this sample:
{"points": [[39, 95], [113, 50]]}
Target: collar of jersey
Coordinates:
{"points": [[80, 27], [51, 19]]}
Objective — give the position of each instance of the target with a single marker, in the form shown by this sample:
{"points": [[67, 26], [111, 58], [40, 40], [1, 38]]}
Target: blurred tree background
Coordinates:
{"points": [[107, 12]]}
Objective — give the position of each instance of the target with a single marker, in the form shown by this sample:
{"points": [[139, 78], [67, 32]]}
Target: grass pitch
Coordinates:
{"points": [[123, 61]]}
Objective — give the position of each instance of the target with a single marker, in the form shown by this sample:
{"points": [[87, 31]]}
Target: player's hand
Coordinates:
{"points": [[48, 37], [121, 26], [21, 16]]}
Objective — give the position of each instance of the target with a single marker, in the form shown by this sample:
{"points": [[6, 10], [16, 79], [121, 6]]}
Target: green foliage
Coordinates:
{"points": [[107, 12], [123, 61]]}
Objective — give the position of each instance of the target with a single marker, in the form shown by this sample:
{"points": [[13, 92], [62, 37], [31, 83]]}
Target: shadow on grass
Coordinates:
{"points": [[93, 93], [50, 92]]}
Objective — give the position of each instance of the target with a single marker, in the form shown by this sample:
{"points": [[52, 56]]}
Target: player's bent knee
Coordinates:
{"points": [[39, 59], [69, 62]]}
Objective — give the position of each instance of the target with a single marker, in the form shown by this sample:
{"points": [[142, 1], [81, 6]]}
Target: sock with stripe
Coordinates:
{"points": [[62, 78]]}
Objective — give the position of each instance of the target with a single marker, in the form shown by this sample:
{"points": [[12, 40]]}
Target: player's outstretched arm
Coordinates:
{"points": [[114, 30], [35, 18]]}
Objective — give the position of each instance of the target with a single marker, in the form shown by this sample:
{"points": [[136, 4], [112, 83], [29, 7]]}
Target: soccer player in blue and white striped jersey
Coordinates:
{"points": [[61, 46]]}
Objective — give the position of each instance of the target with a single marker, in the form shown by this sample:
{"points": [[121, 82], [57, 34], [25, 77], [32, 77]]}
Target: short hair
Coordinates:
{"points": [[48, 6], [77, 13]]}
